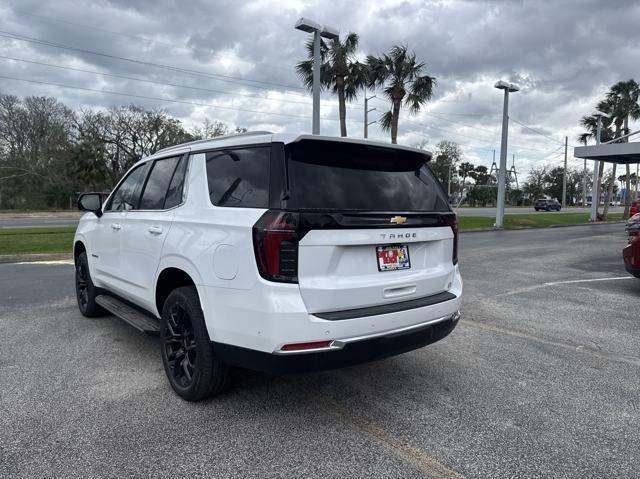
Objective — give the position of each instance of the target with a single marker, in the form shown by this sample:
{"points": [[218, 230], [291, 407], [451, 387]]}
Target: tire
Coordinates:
{"points": [[187, 353], [86, 292]]}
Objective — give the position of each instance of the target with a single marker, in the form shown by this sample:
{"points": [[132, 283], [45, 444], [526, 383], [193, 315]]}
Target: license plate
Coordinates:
{"points": [[393, 257]]}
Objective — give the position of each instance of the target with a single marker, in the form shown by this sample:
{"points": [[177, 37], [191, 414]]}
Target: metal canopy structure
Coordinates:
{"points": [[610, 152], [619, 153]]}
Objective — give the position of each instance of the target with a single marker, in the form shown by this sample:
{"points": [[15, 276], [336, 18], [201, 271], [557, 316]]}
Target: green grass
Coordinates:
{"points": [[36, 240], [530, 220], [59, 240], [26, 210]]}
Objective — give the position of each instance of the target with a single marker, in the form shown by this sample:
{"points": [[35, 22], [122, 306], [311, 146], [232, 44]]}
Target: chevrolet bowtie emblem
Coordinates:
{"points": [[398, 220]]}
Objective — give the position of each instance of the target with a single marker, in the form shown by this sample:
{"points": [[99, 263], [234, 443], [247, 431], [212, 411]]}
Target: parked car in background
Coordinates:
{"points": [[544, 204], [631, 252]]}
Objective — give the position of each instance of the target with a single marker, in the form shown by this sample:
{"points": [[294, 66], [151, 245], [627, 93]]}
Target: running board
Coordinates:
{"points": [[135, 318]]}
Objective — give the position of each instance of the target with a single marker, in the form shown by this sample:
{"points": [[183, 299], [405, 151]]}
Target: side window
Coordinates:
{"points": [[126, 196], [157, 184], [174, 194], [239, 177]]}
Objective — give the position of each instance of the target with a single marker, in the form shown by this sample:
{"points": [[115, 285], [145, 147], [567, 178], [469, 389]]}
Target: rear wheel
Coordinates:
{"points": [[85, 290], [187, 353]]}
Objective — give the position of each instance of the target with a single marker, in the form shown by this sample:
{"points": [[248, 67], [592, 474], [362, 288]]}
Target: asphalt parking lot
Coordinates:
{"points": [[540, 379]]}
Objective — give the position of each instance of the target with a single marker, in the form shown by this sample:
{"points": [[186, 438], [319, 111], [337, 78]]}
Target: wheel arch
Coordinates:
{"points": [[170, 278], [78, 248]]}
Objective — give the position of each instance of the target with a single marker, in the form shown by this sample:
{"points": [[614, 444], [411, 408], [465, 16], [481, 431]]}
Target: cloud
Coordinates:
{"points": [[563, 55]]}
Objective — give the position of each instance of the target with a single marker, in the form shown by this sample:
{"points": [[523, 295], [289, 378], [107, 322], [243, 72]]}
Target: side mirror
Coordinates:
{"points": [[91, 202]]}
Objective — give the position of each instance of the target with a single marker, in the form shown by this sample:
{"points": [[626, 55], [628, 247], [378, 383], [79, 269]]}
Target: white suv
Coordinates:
{"points": [[272, 252]]}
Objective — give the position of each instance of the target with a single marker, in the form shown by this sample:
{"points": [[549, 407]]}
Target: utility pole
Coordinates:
{"points": [[564, 174], [366, 114], [584, 184], [595, 187], [494, 167]]}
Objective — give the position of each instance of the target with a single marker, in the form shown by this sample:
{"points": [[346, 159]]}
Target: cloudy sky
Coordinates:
{"points": [[241, 57]]}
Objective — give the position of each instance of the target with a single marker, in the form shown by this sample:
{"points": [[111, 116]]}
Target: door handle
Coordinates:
{"points": [[116, 226], [155, 230]]}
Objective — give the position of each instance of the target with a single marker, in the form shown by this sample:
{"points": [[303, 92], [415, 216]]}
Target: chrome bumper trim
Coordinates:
{"points": [[341, 343]]}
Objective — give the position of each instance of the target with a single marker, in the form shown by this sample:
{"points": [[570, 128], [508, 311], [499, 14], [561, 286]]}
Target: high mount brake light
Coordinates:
{"points": [[275, 244], [452, 221]]}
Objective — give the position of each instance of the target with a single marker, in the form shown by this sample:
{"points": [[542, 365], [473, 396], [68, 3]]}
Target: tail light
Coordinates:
{"points": [[275, 244], [452, 221]]}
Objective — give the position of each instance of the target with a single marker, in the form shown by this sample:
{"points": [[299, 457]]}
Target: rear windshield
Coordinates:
{"points": [[326, 175]]}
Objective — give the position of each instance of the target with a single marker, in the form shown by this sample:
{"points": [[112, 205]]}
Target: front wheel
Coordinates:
{"points": [[85, 290], [187, 353]]}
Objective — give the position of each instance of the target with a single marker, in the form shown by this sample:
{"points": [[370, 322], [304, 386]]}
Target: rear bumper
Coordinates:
{"points": [[349, 352]]}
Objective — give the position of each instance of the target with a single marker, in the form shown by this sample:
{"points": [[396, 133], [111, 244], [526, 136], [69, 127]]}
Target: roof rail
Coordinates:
{"points": [[216, 138]]}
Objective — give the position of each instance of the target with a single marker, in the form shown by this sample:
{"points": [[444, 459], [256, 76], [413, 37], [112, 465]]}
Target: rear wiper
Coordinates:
{"points": [[227, 194]]}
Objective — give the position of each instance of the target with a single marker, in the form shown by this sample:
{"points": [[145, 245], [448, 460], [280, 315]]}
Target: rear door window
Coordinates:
{"points": [[324, 175], [157, 185], [174, 194], [239, 177]]}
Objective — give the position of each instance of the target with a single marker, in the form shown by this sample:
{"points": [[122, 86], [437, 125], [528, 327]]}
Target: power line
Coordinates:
{"points": [[125, 77], [536, 131], [220, 77], [486, 130], [144, 97], [123, 34]]}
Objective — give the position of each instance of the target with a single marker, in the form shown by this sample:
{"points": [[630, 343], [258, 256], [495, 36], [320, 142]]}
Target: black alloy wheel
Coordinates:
{"points": [[180, 345], [82, 285], [192, 368], [86, 292]]}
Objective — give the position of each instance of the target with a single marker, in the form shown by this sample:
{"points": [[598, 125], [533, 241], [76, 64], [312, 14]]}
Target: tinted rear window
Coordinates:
{"points": [[239, 177], [157, 184], [337, 176]]}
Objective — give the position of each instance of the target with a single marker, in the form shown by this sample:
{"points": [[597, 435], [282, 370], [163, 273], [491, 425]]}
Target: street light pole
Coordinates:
{"points": [[564, 175], [315, 129], [318, 31], [366, 114], [596, 186], [502, 172]]}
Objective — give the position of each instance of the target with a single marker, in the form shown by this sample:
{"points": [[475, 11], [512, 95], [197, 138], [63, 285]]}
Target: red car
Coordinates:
{"points": [[631, 252]]}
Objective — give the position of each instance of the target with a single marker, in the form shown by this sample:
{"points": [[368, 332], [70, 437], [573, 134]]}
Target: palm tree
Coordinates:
{"points": [[612, 107], [590, 123], [403, 79], [624, 95], [339, 72]]}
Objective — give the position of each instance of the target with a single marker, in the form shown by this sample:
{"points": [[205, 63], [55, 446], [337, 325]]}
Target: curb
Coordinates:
{"points": [[19, 258], [480, 230]]}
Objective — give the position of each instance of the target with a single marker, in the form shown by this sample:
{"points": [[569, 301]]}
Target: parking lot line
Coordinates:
{"points": [[50, 262], [527, 289], [419, 459], [550, 342]]}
